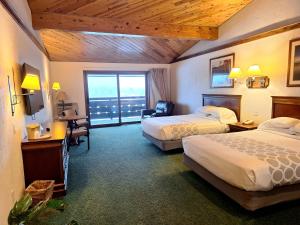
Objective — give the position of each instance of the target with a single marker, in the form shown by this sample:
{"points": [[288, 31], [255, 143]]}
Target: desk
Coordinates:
{"points": [[48, 159], [71, 119]]}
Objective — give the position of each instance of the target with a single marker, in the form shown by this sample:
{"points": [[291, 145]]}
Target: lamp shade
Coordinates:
{"points": [[254, 71], [235, 73], [56, 86], [31, 82]]}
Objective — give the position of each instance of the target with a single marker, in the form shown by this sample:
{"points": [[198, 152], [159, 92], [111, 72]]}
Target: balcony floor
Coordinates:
{"points": [[114, 120]]}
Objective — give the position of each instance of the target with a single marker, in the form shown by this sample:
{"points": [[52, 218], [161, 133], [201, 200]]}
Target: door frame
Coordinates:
{"points": [[118, 73]]}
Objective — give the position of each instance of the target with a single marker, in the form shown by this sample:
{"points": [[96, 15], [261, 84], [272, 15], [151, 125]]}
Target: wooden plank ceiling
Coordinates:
{"points": [[73, 30]]}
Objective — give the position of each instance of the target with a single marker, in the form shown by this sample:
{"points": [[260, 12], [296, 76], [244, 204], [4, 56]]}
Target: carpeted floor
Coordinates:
{"points": [[125, 180]]}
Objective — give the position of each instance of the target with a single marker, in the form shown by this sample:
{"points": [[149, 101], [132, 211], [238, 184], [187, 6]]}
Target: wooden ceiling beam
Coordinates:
{"points": [[108, 25]]}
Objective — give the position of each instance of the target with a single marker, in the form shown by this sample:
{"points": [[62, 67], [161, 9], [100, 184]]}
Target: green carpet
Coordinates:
{"points": [[125, 180]]}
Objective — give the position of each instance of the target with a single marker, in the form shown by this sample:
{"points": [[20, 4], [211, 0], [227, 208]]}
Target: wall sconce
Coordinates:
{"points": [[31, 82], [257, 79], [236, 74], [55, 87]]}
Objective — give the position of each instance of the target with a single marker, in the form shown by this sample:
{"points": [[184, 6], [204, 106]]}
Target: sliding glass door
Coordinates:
{"points": [[132, 96], [103, 106], [114, 98]]}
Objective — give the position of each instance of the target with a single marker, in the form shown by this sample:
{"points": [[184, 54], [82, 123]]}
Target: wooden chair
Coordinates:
{"points": [[76, 132], [78, 123], [77, 128]]}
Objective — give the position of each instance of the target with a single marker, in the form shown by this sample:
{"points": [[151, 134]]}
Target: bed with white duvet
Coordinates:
{"points": [[256, 160], [206, 120]]}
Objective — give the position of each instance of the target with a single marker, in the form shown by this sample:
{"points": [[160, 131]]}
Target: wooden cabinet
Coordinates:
{"points": [[47, 159], [236, 127]]}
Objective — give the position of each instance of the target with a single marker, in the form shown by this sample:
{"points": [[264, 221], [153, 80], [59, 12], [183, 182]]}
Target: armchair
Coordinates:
{"points": [[162, 108]]}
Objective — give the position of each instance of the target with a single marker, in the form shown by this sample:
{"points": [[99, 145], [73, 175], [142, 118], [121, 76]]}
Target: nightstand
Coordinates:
{"points": [[237, 127]]}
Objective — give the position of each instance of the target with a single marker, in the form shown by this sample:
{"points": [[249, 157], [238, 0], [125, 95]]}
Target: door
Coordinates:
{"points": [[114, 98], [132, 97]]}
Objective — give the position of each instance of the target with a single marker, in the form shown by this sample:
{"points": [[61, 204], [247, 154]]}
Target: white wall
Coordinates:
{"points": [[21, 8], [190, 78], [16, 49], [70, 76], [256, 17]]}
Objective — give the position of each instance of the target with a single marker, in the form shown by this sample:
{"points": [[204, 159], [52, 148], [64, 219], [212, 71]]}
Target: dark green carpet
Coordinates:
{"points": [[125, 180]]}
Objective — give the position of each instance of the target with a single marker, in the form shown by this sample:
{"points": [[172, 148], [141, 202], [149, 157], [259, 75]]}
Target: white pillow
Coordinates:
{"points": [[227, 116], [224, 115], [295, 129], [205, 109], [279, 122]]}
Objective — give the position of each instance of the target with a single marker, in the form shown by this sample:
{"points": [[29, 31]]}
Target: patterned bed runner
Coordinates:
{"points": [[284, 163], [179, 131]]}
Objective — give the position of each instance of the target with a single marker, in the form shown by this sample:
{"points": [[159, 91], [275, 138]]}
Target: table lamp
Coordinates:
{"points": [[61, 97]]}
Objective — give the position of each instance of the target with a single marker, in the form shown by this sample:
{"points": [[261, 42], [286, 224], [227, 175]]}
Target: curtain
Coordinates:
{"points": [[158, 86]]}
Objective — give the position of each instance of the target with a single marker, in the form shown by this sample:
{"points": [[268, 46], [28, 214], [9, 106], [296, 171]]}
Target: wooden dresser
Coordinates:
{"points": [[47, 159]]}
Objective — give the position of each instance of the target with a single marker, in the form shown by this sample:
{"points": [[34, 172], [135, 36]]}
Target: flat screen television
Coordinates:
{"points": [[35, 102]]}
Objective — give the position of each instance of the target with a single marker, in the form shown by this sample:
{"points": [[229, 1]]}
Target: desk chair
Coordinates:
{"points": [[78, 123], [78, 132], [77, 128]]}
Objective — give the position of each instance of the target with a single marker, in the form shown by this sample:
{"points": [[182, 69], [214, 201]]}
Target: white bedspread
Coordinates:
{"points": [[251, 160], [177, 127]]}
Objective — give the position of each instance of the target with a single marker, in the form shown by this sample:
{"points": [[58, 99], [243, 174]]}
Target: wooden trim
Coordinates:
{"points": [[232, 82], [69, 22], [286, 106], [221, 96], [289, 64], [17, 19], [242, 40]]}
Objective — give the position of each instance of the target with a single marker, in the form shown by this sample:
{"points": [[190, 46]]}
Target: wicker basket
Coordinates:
{"points": [[40, 190]]}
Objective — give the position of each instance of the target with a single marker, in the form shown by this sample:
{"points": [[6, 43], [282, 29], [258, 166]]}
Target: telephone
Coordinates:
{"points": [[248, 122]]}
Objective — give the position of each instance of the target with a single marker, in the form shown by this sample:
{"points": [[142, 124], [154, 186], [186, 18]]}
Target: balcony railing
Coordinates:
{"points": [[108, 108]]}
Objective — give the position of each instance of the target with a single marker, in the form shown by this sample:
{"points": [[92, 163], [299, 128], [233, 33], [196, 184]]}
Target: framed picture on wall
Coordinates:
{"points": [[219, 70], [293, 77]]}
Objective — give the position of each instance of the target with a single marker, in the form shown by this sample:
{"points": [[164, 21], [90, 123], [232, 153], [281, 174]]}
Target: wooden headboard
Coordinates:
{"points": [[232, 102], [285, 106]]}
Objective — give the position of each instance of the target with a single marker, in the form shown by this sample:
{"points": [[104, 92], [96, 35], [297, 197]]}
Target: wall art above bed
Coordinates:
{"points": [[293, 78], [220, 68]]}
